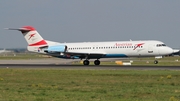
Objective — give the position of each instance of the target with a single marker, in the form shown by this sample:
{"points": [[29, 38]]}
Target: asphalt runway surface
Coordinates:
{"points": [[67, 64], [90, 67]]}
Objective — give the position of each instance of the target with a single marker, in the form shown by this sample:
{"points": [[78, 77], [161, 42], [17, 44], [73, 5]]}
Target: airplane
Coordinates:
{"points": [[93, 50], [4, 51]]}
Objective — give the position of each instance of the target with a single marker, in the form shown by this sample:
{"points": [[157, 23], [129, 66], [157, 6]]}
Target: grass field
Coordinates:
{"points": [[18, 56], [89, 85]]}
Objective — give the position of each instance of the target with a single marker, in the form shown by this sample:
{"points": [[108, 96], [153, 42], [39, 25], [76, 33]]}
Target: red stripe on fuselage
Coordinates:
{"points": [[43, 42]]}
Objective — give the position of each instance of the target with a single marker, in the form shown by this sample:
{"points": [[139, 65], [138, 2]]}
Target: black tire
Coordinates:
{"points": [[86, 62], [97, 62], [155, 61]]}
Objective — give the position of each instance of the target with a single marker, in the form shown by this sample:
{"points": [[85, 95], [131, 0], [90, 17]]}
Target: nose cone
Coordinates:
{"points": [[169, 50], [175, 50], [166, 51]]}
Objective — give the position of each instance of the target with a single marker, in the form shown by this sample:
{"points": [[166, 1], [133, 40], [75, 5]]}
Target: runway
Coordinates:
{"points": [[67, 64], [90, 67]]}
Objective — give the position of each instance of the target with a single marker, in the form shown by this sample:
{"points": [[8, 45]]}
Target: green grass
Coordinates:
{"points": [[89, 85]]}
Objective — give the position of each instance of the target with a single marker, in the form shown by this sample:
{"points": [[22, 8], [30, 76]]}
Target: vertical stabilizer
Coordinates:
{"points": [[32, 37]]}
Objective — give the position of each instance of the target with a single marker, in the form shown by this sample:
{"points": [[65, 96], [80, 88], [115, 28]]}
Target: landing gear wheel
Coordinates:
{"points": [[97, 62], [86, 62], [155, 61]]}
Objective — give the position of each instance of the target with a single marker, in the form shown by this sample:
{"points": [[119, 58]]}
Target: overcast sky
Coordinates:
{"points": [[91, 20]]}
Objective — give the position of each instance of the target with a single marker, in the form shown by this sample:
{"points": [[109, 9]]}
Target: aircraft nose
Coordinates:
{"points": [[170, 50], [175, 50], [166, 51]]}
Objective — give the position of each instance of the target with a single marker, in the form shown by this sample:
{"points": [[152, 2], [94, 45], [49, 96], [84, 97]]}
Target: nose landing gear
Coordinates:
{"points": [[155, 61]]}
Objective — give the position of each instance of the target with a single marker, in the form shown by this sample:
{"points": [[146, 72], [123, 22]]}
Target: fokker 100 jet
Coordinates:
{"points": [[93, 50]]}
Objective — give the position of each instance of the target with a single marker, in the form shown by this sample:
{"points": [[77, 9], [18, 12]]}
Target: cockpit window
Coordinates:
{"points": [[160, 45], [163, 45]]}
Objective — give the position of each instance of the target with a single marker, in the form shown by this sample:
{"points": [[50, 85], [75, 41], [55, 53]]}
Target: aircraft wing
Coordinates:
{"points": [[80, 54], [85, 54]]}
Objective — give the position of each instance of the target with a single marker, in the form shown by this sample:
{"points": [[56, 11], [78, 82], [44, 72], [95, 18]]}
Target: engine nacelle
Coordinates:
{"points": [[57, 48]]}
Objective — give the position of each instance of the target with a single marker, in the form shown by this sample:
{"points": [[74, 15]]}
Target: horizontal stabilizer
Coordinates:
{"points": [[25, 28], [19, 29]]}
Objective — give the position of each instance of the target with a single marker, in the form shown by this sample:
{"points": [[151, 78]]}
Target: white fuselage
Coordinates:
{"points": [[115, 49]]}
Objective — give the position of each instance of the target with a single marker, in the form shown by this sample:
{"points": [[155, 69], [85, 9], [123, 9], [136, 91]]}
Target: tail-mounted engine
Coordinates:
{"points": [[57, 48]]}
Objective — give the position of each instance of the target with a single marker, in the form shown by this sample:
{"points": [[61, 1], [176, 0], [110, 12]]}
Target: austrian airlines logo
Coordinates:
{"points": [[31, 35], [138, 45]]}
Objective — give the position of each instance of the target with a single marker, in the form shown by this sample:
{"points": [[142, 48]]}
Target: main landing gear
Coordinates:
{"points": [[86, 62], [96, 62]]}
